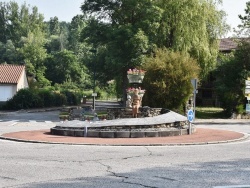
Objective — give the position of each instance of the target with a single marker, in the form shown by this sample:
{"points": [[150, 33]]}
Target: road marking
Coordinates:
{"points": [[48, 121], [233, 186], [14, 122], [32, 121]]}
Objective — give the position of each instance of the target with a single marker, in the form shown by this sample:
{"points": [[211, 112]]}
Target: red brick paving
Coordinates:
{"points": [[201, 136]]}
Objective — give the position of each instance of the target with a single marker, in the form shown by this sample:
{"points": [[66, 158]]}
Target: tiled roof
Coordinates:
{"points": [[10, 74], [228, 44]]}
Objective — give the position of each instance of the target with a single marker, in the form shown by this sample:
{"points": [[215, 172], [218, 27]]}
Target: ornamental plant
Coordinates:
{"points": [[131, 90], [136, 72]]}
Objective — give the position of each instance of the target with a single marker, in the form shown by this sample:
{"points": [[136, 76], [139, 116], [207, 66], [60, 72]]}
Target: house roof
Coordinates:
{"points": [[228, 44], [10, 74]]}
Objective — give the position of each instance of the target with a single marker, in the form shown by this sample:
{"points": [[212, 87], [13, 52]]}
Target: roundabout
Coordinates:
{"points": [[202, 136], [148, 127]]}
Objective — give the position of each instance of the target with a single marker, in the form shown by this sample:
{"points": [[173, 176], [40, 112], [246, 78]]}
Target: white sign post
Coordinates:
{"points": [[247, 94], [94, 95], [194, 82], [190, 117], [248, 108]]}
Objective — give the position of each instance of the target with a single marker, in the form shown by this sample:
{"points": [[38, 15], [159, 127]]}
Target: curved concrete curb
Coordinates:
{"points": [[244, 137], [122, 133]]}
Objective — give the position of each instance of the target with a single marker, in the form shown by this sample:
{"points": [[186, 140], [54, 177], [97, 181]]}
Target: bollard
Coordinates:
{"points": [[190, 128], [85, 131]]}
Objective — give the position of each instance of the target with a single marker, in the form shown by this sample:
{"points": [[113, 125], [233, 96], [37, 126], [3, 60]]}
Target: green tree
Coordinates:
{"points": [[234, 69], [193, 26], [8, 53], [76, 26], [230, 79], [132, 29], [167, 80], [121, 36], [57, 39], [21, 21], [63, 66], [34, 55], [21, 28], [54, 26], [4, 24]]}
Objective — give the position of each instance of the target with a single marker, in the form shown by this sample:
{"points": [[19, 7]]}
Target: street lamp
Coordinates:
{"points": [[94, 94]]}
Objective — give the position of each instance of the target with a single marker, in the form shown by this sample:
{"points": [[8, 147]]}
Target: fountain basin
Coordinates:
{"points": [[169, 124]]}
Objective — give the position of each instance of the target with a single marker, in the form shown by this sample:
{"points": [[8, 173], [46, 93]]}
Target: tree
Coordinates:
{"points": [[130, 30], [21, 28], [63, 66], [34, 55], [57, 35], [234, 69], [20, 21], [122, 37], [8, 53], [230, 79], [54, 26], [76, 26], [167, 80], [193, 26]]}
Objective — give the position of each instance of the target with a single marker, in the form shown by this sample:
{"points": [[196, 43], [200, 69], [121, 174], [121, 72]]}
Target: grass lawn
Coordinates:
{"points": [[209, 113]]}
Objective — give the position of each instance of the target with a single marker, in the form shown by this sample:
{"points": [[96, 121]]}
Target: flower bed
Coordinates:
{"points": [[131, 91], [135, 75]]}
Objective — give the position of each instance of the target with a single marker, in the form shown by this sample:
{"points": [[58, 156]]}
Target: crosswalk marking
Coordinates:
{"points": [[13, 122]]}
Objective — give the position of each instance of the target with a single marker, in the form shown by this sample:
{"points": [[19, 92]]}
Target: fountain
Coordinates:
{"points": [[151, 122]]}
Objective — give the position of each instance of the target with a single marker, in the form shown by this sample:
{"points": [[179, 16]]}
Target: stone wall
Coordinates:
{"points": [[240, 116]]}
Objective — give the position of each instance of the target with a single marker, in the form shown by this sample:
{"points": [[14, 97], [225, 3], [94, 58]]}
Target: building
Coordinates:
{"points": [[12, 79]]}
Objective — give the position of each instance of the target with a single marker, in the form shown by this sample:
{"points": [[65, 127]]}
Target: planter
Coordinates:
{"points": [[135, 78], [122, 134]]}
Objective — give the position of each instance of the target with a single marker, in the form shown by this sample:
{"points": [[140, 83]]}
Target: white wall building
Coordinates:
{"points": [[12, 79]]}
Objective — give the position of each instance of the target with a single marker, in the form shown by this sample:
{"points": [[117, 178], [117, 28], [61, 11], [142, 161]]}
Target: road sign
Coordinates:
{"points": [[94, 94], [247, 90], [190, 115], [247, 82], [194, 83], [247, 107]]}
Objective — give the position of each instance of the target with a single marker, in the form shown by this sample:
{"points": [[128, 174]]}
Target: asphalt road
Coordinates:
{"points": [[30, 165]]}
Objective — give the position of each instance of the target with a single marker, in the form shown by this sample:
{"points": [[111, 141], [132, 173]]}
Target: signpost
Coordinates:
{"points": [[194, 82], [247, 94], [94, 95], [247, 107], [190, 116]]}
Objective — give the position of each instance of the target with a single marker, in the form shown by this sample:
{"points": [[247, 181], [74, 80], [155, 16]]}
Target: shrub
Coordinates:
{"points": [[73, 98], [168, 79], [60, 99], [38, 98], [23, 99], [47, 97]]}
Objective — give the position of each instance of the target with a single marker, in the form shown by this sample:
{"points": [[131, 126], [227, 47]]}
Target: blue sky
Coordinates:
{"points": [[65, 10]]}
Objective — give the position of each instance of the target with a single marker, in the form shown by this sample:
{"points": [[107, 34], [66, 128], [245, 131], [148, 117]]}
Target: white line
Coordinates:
{"points": [[48, 121], [32, 121], [234, 186], [14, 122]]}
